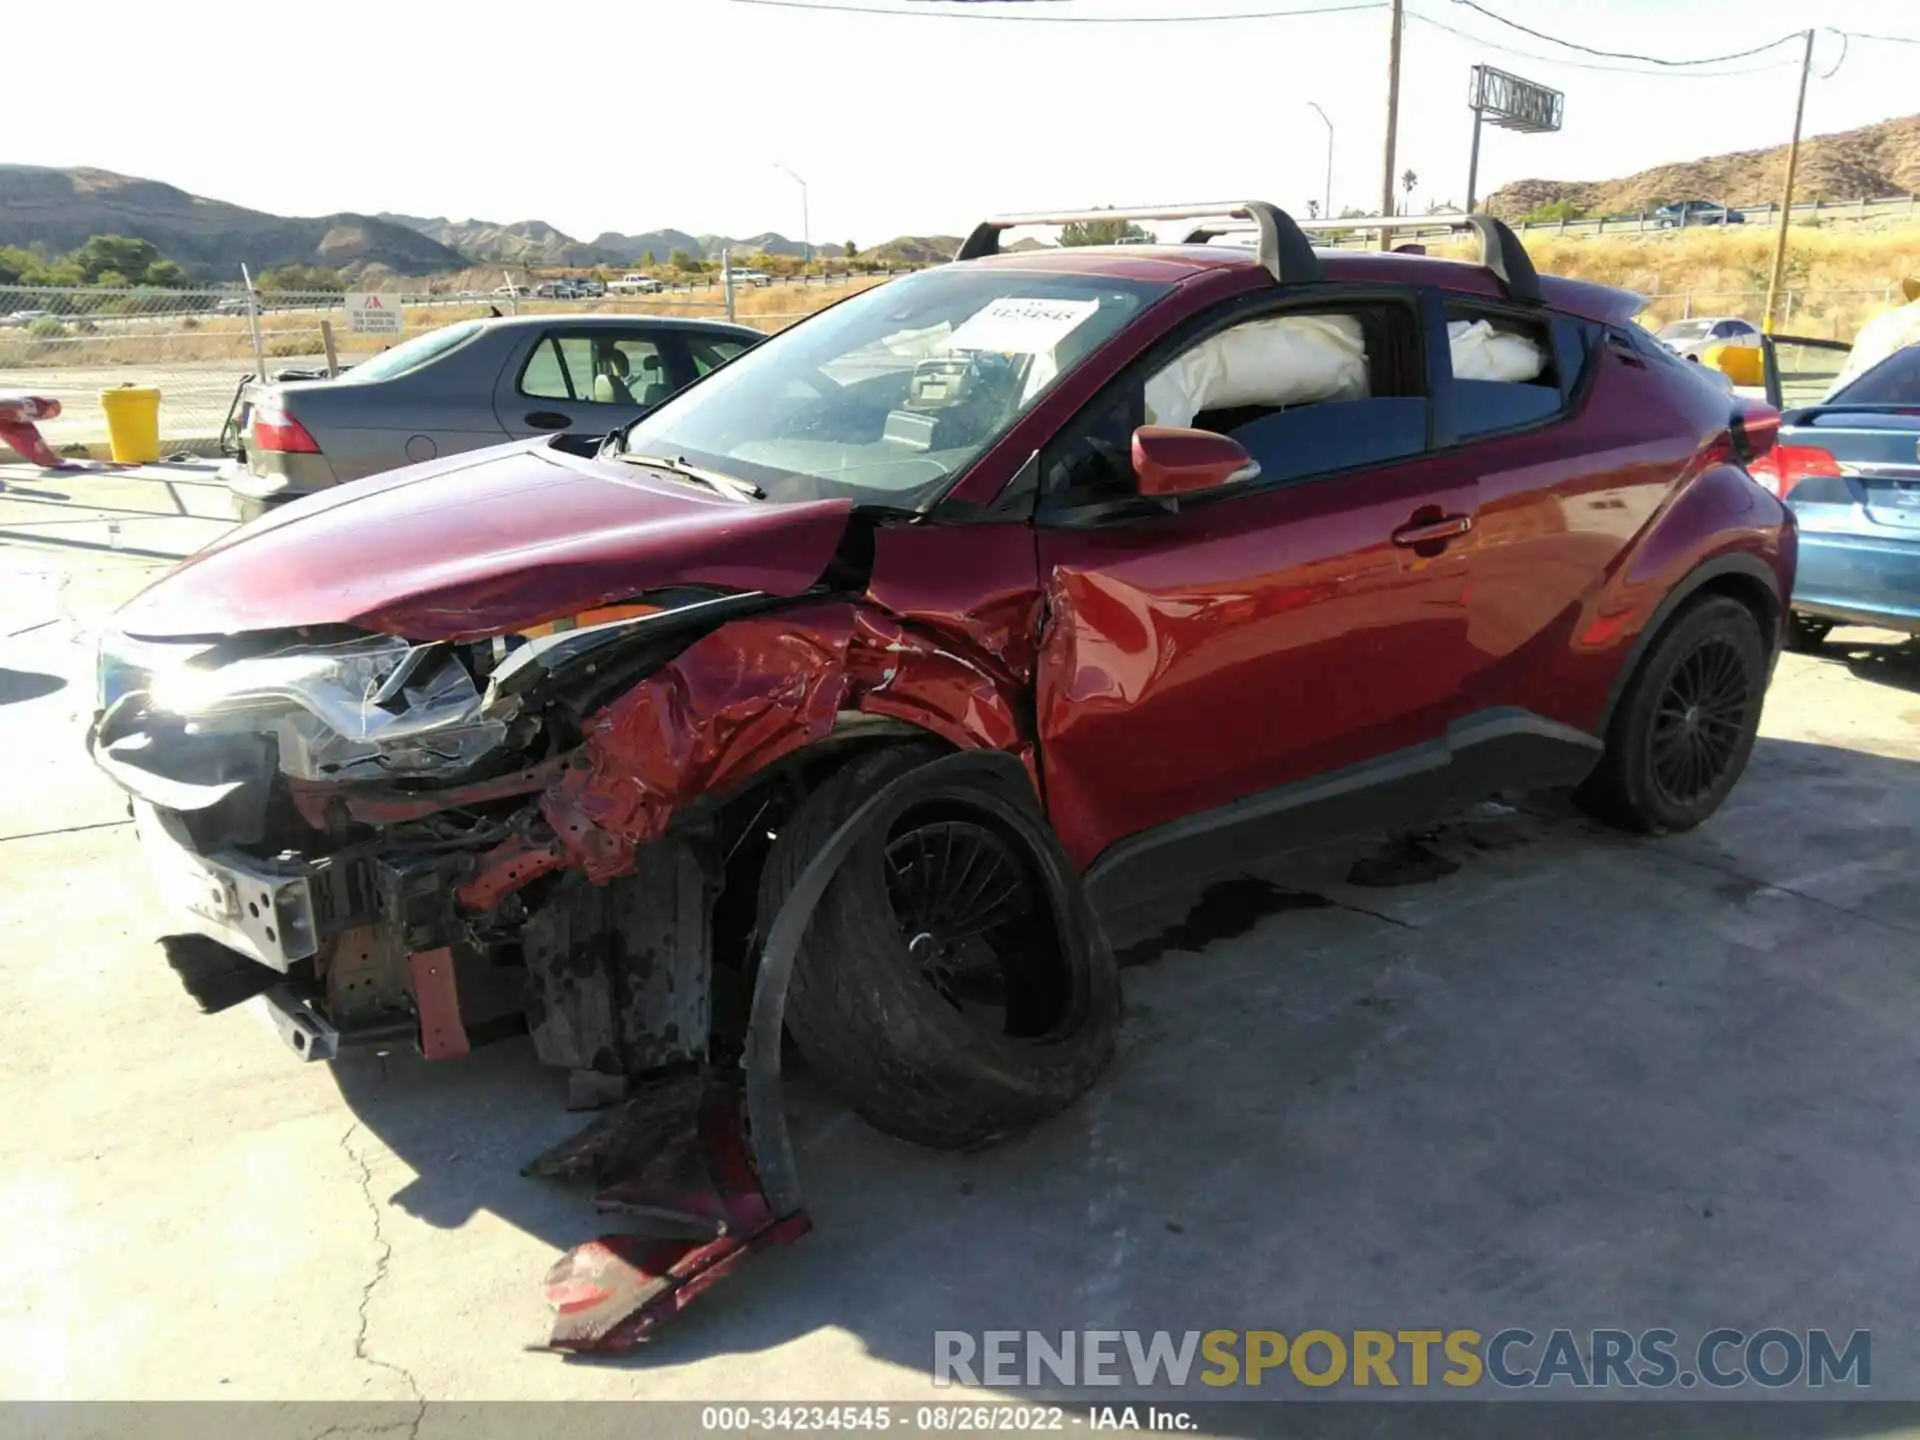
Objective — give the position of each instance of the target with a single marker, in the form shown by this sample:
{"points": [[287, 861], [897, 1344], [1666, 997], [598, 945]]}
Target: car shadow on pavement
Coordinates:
{"points": [[1581, 1079], [19, 685], [1896, 663]]}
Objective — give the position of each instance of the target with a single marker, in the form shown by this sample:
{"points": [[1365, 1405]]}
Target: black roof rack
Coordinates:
{"points": [[1283, 249], [1500, 249]]}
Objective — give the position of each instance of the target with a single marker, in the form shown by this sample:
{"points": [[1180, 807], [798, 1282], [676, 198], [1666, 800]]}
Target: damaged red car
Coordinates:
{"points": [[833, 696]]}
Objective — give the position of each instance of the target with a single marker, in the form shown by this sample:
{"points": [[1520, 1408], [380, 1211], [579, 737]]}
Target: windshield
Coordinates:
{"points": [[1894, 381], [1687, 330], [889, 395], [412, 354]]}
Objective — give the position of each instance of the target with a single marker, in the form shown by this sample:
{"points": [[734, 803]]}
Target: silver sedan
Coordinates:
{"points": [[467, 385]]}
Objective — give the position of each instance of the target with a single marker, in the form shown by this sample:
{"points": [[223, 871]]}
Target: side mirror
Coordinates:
{"points": [[1169, 462]]}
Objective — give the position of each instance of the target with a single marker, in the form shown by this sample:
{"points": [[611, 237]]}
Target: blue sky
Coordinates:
{"points": [[673, 112]]}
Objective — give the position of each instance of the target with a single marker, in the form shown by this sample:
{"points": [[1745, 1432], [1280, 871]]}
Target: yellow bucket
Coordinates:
{"points": [[1742, 364], [133, 423]]}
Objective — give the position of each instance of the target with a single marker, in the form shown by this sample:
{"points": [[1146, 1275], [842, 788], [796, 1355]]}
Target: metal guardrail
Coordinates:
{"points": [[1819, 211]]}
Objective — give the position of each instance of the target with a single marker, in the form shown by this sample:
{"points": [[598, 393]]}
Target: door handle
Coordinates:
{"points": [[1428, 532], [548, 420]]}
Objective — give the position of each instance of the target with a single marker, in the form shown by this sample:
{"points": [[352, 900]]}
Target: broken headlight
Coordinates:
{"points": [[379, 705]]}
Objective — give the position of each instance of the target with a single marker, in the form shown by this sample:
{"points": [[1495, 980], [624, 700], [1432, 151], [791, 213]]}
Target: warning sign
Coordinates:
{"points": [[370, 314]]}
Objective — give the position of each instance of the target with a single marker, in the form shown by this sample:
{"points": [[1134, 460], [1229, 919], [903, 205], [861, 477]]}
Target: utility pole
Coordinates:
{"points": [[1786, 203], [1393, 121]]}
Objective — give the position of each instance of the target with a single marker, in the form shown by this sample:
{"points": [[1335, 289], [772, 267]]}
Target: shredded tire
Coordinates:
{"points": [[877, 1029]]}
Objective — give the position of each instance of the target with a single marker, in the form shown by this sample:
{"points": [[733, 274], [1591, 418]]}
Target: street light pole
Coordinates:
{"points": [[806, 225], [1393, 118], [1326, 200]]}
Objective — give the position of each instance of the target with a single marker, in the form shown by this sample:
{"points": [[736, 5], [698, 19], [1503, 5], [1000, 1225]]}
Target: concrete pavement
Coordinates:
{"points": [[1576, 1079]]}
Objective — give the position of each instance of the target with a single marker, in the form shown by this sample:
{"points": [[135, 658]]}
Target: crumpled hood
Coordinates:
{"points": [[480, 543]]}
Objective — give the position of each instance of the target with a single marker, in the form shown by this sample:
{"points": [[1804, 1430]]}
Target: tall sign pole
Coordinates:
{"points": [[1786, 199], [1512, 104], [1393, 121]]}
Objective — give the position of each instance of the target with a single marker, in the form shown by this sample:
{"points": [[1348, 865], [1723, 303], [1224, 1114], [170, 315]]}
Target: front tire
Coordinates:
{"points": [[1685, 727], [936, 990]]}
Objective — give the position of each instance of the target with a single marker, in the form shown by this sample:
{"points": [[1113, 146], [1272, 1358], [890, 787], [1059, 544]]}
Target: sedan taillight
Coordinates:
{"points": [[1785, 466], [274, 429]]}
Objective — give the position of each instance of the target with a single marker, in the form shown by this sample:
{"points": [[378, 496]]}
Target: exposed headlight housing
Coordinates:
{"points": [[379, 705]]}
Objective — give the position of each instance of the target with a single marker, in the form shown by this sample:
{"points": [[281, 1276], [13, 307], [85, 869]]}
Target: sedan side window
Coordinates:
{"points": [[712, 354], [603, 367]]}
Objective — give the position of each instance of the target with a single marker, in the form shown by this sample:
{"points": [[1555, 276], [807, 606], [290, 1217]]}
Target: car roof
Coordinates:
{"points": [[1175, 264], [599, 322]]}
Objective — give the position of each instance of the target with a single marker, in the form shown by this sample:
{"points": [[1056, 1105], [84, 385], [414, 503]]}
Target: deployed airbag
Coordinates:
{"points": [[1289, 360], [1481, 352]]}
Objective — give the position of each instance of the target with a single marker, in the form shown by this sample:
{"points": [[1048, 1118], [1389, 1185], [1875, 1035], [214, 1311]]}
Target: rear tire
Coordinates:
{"points": [[1685, 727], [878, 1012], [1806, 634]]}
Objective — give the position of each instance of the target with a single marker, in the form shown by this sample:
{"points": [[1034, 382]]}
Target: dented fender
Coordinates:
{"points": [[741, 698]]}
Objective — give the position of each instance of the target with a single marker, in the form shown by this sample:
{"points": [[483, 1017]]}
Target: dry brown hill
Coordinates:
{"points": [[1876, 160]]}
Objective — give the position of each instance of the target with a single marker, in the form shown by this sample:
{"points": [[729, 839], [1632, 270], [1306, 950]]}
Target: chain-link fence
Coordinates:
{"points": [[199, 346]]}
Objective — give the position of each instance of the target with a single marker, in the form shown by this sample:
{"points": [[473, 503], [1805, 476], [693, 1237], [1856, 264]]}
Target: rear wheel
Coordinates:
{"points": [[1805, 633], [936, 990], [1686, 724]]}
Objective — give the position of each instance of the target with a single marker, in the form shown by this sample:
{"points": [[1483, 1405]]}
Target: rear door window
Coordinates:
{"points": [[601, 366], [1505, 371]]}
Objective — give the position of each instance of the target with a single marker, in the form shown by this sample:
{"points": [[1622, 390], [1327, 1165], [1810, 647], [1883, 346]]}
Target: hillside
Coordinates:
{"points": [[53, 209], [523, 242], [536, 243], [1876, 160]]}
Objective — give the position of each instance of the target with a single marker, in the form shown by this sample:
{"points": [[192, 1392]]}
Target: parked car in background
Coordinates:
{"points": [[635, 283], [586, 287], [1687, 338], [751, 277], [1848, 466], [554, 290], [512, 291], [466, 385], [27, 317], [1697, 212]]}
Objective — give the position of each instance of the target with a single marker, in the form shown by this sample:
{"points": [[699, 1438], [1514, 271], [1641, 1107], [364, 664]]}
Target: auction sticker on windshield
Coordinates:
{"points": [[1016, 325]]}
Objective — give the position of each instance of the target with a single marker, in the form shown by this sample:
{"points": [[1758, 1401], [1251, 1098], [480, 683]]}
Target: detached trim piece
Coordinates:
{"points": [[1283, 249]]}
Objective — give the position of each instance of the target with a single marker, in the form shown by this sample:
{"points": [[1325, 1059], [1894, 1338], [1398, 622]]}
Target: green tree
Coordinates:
{"points": [[16, 264], [302, 277], [850, 250], [167, 275], [1556, 210], [647, 260], [115, 254], [1102, 232], [680, 260]]}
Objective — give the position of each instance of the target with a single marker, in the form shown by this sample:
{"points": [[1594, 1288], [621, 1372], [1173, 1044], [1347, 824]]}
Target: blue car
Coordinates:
{"points": [[1848, 465]]}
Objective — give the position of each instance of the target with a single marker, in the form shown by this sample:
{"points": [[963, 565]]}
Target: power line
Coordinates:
{"points": [[1627, 55], [1890, 39], [982, 14], [1668, 74]]}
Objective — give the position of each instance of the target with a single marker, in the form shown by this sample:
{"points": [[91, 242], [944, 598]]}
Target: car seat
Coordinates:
{"points": [[610, 385], [653, 382]]}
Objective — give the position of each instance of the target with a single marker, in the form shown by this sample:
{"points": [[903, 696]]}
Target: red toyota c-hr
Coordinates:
{"points": [[848, 681]]}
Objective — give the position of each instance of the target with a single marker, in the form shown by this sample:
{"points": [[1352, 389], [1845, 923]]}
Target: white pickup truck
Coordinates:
{"points": [[635, 284]]}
